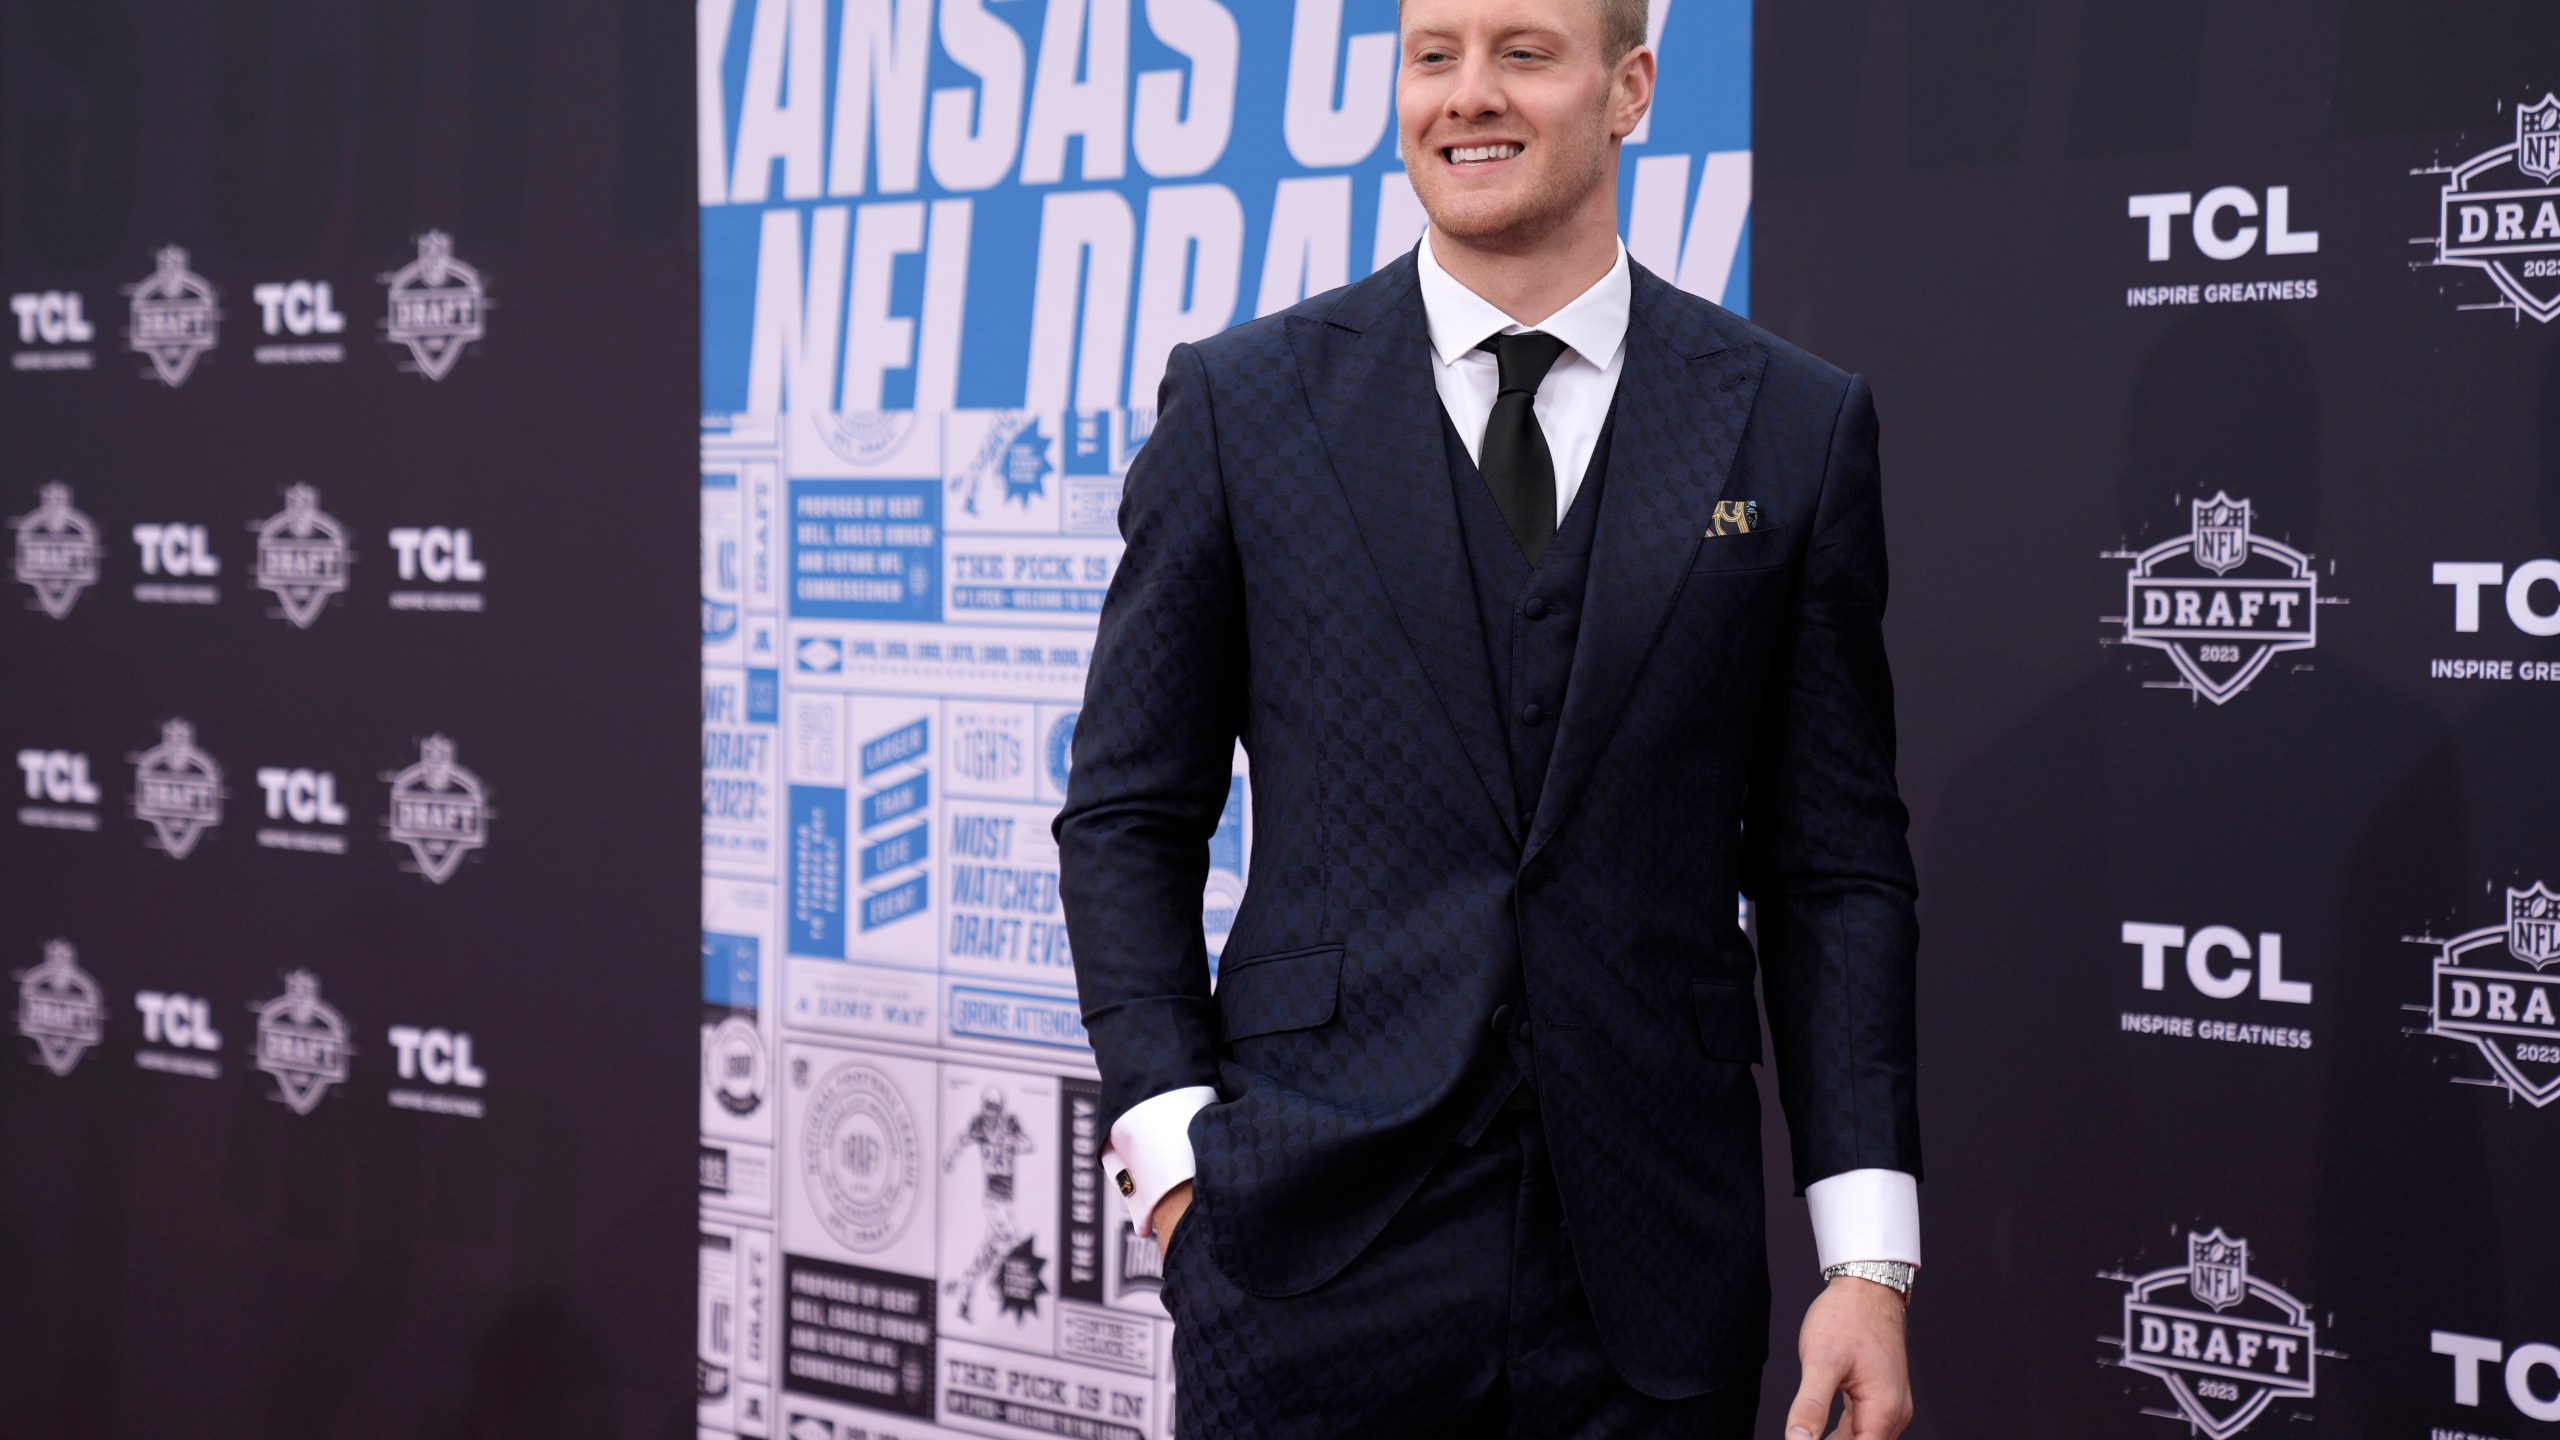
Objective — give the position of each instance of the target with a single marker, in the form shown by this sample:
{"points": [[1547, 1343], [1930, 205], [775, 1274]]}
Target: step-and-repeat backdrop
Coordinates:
{"points": [[2217, 350], [945, 250], [346, 876], [348, 890]]}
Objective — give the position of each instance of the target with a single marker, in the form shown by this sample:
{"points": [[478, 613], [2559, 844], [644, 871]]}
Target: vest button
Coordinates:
{"points": [[1535, 608], [1532, 714], [1501, 1019]]}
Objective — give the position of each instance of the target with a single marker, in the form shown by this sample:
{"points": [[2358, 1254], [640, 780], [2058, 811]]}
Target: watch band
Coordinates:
{"points": [[1893, 1275]]}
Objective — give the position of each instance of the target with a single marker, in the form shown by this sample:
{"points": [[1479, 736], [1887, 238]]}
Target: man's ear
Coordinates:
{"points": [[1631, 91]]}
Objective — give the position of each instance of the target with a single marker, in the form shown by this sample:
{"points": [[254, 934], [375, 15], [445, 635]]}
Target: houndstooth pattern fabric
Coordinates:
{"points": [[1468, 1319], [1294, 576]]}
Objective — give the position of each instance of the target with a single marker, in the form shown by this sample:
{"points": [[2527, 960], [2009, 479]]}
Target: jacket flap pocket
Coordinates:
{"points": [[1752, 550], [1728, 1021], [1291, 990]]}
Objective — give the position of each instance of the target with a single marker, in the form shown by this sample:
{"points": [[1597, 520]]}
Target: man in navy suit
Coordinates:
{"points": [[1546, 603]]}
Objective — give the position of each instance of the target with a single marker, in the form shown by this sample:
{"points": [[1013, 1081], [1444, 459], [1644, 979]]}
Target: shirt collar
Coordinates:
{"points": [[1594, 323]]}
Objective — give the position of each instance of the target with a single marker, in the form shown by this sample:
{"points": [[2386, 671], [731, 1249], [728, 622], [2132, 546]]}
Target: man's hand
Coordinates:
{"points": [[1851, 1345], [1169, 1210]]}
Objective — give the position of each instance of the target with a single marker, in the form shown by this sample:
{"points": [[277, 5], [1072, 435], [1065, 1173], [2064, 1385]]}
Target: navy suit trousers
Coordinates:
{"points": [[1466, 1320]]}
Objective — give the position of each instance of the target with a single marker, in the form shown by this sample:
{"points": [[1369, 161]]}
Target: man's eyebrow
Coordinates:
{"points": [[1552, 37]]}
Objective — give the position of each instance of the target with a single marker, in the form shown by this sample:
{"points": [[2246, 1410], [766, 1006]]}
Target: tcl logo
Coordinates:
{"points": [[438, 554], [298, 307], [176, 550], [2535, 1399], [51, 316], [440, 1057], [59, 777], [2468, 578], [307, 797], [2212, 958], [182, 1022], [2219, 222]]}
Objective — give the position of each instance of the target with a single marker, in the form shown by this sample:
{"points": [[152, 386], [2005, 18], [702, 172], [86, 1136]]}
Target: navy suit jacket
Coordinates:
{"points": [[1295, 577]]}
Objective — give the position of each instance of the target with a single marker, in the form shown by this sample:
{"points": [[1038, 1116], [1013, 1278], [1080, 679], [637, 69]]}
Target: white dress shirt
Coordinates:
{"points": [[1857, 1215], [1573, 401]]}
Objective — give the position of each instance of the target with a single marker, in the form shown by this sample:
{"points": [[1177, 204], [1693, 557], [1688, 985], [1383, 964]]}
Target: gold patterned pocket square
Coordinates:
{"points": [[1734, 517]]}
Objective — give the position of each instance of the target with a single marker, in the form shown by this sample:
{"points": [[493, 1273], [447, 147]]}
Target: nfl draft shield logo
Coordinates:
{"points": [[2221, 601], [59, 1008], [174, 317], [438, 809], [2499, 213], [437, 306], [302, 556], [2224, 1343], [57, 551], [302, 1043], [2498, 989], [177, 789]]}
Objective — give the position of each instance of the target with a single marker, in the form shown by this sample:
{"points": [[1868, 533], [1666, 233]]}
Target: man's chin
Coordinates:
{"points": [[1475, 221]]}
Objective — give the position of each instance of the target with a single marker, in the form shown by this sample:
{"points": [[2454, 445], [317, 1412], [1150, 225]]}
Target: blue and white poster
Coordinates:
{"points": [[946, 248]]}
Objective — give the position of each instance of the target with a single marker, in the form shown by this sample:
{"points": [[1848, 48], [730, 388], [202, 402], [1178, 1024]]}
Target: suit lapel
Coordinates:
{"points": [[1683, 400], [1366, 367]]}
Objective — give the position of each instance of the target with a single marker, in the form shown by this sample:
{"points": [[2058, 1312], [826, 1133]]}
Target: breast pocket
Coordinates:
{"points": [[1761, 549], [1286, 990]]}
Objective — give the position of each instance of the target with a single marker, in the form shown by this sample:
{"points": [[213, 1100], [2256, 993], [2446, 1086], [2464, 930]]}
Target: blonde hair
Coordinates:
{"points": [[1622, 25]]}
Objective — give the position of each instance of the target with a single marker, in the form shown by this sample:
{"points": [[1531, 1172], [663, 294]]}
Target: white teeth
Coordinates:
{"points": [[1476, 154]]}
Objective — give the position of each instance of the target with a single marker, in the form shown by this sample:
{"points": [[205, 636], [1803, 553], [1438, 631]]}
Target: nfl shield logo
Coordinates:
{"points": [[302, 1042], [2221, 533], [177, 789], [2533, 925], [2217, 1269], [175, 320], [439, 305], [438, 809], [2538, 139], [59, 1008], [302, 556], [57, 550]]}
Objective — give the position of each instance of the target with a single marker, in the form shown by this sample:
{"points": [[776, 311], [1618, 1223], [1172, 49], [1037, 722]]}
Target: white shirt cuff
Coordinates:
{"points": [[1863, 1215], [1151, 1146]]}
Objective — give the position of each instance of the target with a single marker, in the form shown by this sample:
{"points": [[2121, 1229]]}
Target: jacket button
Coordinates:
{"points": [[1532, 714], [1535, 608], [1534, 877], [1501, 1019]]}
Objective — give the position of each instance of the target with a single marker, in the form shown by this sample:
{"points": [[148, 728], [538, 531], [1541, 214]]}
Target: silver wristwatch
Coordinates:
{"points": [[1891, 1274]]}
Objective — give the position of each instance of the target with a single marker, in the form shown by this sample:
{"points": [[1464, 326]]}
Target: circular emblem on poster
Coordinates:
{"points": [[1062, 748], [859, 1152], [733, 1058]]}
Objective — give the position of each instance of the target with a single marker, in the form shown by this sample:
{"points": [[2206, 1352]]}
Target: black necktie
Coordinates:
{"points": [[1517, 466]]}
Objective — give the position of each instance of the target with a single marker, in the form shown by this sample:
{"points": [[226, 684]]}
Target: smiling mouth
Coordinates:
{"points": [[1466, 155]]}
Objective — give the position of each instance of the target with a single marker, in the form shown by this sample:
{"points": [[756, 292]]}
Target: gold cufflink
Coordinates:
{"points": [[1127, 1185]]}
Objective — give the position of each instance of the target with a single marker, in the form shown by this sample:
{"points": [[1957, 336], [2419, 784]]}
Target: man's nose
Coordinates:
{"points": [[1478, 92]]}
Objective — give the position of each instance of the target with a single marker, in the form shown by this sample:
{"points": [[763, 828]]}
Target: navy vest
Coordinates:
{"points": [[1530, 617]]}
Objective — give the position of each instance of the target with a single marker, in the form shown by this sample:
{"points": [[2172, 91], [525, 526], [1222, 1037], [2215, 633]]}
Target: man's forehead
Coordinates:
{"points": [[1566, 19]]}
